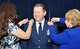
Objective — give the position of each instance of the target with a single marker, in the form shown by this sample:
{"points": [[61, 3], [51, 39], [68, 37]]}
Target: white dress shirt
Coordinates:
{"points": [[37, 25]]}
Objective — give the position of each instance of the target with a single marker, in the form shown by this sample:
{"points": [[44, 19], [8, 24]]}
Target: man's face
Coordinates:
{"points": [[38, 13]]}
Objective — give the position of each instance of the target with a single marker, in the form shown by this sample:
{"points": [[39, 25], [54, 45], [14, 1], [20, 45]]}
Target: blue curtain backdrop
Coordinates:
{"points": [[57, 8]]}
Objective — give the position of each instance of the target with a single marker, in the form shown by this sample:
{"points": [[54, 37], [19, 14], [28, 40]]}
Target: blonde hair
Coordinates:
{"points": [[74, 16]]}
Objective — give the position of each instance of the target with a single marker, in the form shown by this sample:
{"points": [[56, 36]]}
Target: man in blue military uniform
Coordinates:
{"points": [[40, 32]]}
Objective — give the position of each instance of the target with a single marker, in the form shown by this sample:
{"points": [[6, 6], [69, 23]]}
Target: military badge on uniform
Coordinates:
{"points": [[48, 32]]}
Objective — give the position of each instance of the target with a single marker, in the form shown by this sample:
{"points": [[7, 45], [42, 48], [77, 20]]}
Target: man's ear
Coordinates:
{"points": [[45, 13]]}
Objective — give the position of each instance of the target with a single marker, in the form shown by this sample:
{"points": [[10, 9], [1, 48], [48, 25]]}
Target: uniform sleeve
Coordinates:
{"points": [[24, 43], [58, 38], [12, 27]]}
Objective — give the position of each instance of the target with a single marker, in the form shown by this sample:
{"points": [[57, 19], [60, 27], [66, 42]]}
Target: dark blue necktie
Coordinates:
{"points": [[40, 28]]}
